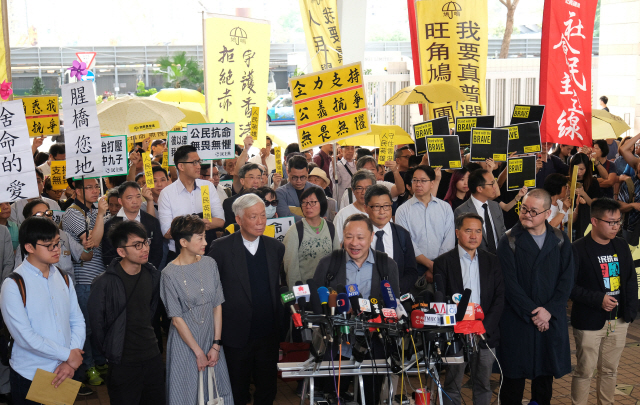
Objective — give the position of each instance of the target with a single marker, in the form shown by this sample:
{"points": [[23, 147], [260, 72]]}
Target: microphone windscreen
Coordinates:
{"points": [[333, 300], [462, 306], [355, 303], [314, 298], [388, 296], [417, 319], [302, 303], [343, 303], [439, 282], [323, 293], [438, 296], [426, 297], [341, 289]]}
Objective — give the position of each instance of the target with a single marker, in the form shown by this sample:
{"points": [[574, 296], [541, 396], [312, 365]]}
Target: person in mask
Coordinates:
{"points": [[270, 199], [311, 239]]}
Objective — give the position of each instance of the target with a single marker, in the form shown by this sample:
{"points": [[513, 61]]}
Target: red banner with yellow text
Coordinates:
{"points": [[565, 71]]}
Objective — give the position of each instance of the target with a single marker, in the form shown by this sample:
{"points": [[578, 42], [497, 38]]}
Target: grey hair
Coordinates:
{"points": [[247, 168], [362, 174], [398, 153], [244, 202], [364, 160], [541, 194]]}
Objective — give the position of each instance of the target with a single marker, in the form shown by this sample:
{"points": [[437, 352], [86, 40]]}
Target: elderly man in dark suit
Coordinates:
{"points": [[249, 264], [481, 184], [464, 267]]}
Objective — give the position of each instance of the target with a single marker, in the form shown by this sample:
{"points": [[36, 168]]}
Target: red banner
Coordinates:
{"points": [[565, 71]]}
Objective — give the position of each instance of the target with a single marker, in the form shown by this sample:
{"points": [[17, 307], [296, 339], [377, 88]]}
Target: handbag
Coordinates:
{"points": [[211, 382]]}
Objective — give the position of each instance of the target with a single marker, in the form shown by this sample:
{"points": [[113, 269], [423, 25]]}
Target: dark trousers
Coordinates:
{"points": [[513, 389], [137, 383], [19, 388], [258, 359]]}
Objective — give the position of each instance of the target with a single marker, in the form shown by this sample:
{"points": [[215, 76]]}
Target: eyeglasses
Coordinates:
{"points": [[47, 213], [611, 223], [215, 175], [194, 162], [51, 247], [301, 178], [309, 204], [92, 188], [377, 208], [360, 189], [524, 211], [420, 181], [272, 202], [140, 245], [489, 184]]}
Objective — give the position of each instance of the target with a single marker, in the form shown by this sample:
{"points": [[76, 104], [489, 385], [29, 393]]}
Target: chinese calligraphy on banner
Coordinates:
{"points": [[175, 139], [42, 115], [329, 106], [17, 170], [321, 29], [278, 155], [213, 141], [386, 147], [59, 175], [115, 159], [453, 42], [281, 226], [565, 71], [236, 59], [82, 130]]}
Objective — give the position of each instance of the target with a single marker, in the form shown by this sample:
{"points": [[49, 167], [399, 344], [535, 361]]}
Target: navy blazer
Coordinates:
{"points": [[405, 258], [287, 196]]}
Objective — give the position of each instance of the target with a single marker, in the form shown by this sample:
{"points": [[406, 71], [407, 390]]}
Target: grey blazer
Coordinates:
{"points": [[496, 216], [287, 196]]}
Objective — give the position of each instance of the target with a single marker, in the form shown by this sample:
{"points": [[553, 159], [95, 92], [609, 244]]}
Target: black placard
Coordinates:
{"points": [[464, 125], [489, 143], [521, 172], [444, 151], [524, 138], [438, 126], [526, 113]]}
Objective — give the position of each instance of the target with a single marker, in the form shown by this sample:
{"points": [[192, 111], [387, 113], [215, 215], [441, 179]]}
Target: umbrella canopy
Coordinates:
{"points": [[373, 138], [605, 125], [122, 115], [180, 96], [193, 112], [427, 93]]}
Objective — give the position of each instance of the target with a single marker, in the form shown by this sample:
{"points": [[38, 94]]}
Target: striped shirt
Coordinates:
{"points": [[73, 222]]}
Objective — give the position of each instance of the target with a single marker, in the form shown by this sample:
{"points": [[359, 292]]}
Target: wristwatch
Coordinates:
{"points": [[217, 342]]}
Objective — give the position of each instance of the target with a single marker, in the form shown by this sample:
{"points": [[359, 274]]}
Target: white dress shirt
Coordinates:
{"points": [[175, 201], [252, 247], [122, 214], [387, 239], [46, 169], [480, 210], [470, 274], [342, 216], [344, 201]]}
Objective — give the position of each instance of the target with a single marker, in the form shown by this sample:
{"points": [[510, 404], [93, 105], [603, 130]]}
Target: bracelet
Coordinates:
{"points": [[87, 251]]}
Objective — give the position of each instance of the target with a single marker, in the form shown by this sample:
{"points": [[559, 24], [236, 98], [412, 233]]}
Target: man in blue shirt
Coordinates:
{"points": [[46, 322]]}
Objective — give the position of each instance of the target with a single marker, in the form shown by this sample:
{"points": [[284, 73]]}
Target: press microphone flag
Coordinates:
{"points": [[388, 296]]}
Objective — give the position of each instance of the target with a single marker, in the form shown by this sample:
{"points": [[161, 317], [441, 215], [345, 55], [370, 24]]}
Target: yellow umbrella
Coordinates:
{"points": [[137, 115], [180, 96], [373, 138], [606, 125], [427, 93], [193, 112]]}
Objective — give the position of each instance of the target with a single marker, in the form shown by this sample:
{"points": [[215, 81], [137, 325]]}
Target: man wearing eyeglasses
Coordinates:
{"points": [[391, 238], [538, 266], [56, 152], [481, 183], [605, 301], [122, 303], [289, 194], [251, 179]]}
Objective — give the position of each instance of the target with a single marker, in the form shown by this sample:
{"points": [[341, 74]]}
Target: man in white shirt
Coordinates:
{"points": [[265, 158], [56, 152], [18, 206], [184, 196], [360, 183], [344, 168]]}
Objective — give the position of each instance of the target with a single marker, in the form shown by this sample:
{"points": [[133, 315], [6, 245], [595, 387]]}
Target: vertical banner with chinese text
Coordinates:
{"points": [[453, 42], [321, 29], [565, 71], [236, 74]]}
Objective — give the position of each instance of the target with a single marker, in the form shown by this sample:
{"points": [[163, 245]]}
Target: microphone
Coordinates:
{"points": [[462, 306], [316, 306], [333, 302], [417, 319], [390, 315], [424, 299], [341, 289], [439, 305], [288, 298], [354, 295], [388, 296], [323, 294], [302, 293], [375, 307], [439, 283], [343, 303]]}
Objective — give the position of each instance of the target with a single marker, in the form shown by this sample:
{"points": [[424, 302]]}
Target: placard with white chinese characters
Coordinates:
{"points": [[175, 139], [115, 159], [19, 186], [79, 106], [13, 127], [281, 226], [84, 153], [213, 141]]}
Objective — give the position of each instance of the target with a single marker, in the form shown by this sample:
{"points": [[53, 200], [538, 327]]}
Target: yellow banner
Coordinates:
{"points": [[144, 126], [40, 105], [59, 175], [236, 58], [278, 153], [255, 116], [321, 29], [4, 48], [206, 202], [329, 106], [386, 147], [47, 126], [148, 170], [453, 43], [165, 161]]}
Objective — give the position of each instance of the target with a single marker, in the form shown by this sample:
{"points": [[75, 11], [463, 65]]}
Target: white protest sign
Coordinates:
{"points": [[114, 155], [213, 141], [175, 139], [281, 226]]}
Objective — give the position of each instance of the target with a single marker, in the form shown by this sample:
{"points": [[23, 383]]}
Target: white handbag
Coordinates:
{"points": [[211, 381]]}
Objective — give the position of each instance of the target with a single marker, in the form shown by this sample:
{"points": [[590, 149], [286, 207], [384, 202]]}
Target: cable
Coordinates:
{"points": [[418, 365], [428, 371], [499, 366], [335, 386], [339, 370], [402, 377]]}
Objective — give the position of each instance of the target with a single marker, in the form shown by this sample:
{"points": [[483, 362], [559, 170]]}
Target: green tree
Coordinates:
{"points": [[180, 71], [38, 87], [596, 24]]}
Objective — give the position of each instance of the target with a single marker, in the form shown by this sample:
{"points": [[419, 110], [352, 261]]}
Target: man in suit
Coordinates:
{"points": [[391, 238], [249, 265], [289, 194], [605, 302], [464, 267], [250, 179], [481, 202]]}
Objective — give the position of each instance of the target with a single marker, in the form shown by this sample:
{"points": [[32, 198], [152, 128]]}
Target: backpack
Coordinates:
{"points": [[300, 229], [512, 239], [6, 340]]}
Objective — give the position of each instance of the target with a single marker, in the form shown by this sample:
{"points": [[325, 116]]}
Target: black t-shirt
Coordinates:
{"points": [[607, 260], [457, 202], [443, 187], [610, 168], [388, 176], [140, 341], [512, 216], [299, 193]]}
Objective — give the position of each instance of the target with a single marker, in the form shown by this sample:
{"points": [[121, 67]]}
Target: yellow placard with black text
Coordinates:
{"points": [[489, 143], [42, 115], [278, 155], [148, 170], [322, 32], [386, 147], [59, 175], [521, 172], [444, 151]]}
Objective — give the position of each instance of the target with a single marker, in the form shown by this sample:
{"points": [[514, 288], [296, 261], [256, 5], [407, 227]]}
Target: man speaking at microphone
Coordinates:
{"points": [[464, 267], [249, 265]]}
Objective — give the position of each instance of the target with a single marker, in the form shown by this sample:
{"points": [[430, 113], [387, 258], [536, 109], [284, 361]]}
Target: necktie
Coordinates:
{"points": [[379, 241], [491, 240]]}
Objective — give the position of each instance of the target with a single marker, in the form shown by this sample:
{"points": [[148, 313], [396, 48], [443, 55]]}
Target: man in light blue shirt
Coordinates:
{"points": [[428, 219], [46, 322]]}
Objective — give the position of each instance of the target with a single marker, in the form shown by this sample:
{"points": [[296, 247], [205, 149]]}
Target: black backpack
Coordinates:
{"points": [[6, 340], [336, 259]]}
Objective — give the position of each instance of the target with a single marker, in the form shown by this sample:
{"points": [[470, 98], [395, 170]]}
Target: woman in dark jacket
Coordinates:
{"points": [[585, 194]]}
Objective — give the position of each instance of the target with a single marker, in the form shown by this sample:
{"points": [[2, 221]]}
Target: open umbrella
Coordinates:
{"points": [[180, 96], [373, 138], [427, 93], [605, 125], [137, 115]]}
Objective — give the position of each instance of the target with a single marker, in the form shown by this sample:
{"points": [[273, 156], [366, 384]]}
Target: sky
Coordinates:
{"points": [[168, 22]]}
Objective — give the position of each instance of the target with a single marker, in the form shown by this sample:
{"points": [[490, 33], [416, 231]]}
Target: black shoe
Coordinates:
{"points": [[85, 390], [6, 399]]}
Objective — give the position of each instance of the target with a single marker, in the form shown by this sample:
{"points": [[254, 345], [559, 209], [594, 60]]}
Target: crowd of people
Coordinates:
{"points": [[93, 296]]}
